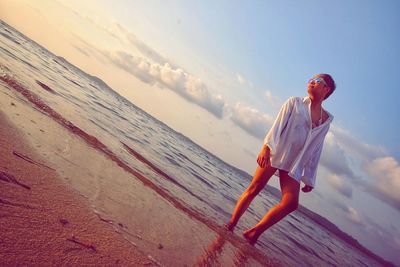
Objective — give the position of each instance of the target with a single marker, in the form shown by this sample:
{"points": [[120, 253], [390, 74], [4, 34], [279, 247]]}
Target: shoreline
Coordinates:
{"points": [[43, 221]]}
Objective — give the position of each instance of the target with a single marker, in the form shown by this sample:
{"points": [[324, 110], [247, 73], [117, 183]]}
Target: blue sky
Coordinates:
{"points": [[221, 70], [278, 44]]}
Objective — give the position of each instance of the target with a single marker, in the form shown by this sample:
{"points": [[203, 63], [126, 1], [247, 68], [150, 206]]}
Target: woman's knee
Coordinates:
{"points": [[260, 179], [254, 189], [290, 191], [291, 204]]}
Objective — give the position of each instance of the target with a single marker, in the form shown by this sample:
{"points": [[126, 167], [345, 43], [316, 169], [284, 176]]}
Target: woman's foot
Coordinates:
{"points": [[250, 237]]}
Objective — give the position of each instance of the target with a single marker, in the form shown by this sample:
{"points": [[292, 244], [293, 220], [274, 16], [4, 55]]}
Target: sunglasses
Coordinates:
{"points": [[317, 80]]}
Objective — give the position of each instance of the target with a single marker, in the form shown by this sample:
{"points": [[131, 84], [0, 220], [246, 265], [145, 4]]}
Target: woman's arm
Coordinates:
{"points": [[310, 169], [263, 157], [273, 135]]}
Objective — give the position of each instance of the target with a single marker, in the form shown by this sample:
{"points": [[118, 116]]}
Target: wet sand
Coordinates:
{"points": [[44, 222]]}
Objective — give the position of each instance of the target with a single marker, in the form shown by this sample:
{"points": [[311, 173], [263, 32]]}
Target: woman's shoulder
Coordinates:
{"points": [[295, 100], [292, 101]]}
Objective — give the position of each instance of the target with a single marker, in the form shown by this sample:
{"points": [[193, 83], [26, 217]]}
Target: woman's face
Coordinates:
{"points": [[317, 87]]}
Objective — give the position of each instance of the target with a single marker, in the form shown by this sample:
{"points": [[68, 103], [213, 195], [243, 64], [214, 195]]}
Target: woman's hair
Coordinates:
{"points": [[331, 83]]}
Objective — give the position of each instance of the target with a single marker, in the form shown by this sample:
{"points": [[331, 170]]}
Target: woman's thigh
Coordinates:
{"points": [[262, 176], [290, 188]]}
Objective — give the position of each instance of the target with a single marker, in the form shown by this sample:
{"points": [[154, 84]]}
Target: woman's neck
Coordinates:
{"points": [[316, 103]]}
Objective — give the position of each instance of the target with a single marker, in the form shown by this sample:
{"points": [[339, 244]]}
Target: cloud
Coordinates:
{"points": [[119, 33], [354, 216], [146, 50], [240, 79], [340, 185], [81, 49], [334, 158], [87, 49], [186, 85], [273, 100], [355, 146], [350, 213], [386, 171], [149, 66], [243, 81], [251, 120], [374, 161]]}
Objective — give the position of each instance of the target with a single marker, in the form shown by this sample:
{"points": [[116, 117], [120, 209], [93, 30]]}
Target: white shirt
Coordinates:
{"points": [[295, 146]]}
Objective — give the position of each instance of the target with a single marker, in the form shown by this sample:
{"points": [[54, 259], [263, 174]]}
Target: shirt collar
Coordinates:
{"points": [[307, 100]]}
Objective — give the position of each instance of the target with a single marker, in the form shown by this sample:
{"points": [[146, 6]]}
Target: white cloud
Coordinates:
{"points": [[119, 33], [240, 79], [340, 185], [386, 171], [131, 39], [350, 213], [176, 79], [355, 146], [273, 100], [243, 81], [354, 216], [149, 66], [334, 158], [251, 120], [340, 145]]}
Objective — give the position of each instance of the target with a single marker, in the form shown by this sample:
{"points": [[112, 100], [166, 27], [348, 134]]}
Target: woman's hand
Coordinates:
{"points": [[263, 157], [307, 189]]}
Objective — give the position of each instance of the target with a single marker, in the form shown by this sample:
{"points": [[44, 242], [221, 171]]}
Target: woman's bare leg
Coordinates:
{"points": [[289, 202], [260, 179]]}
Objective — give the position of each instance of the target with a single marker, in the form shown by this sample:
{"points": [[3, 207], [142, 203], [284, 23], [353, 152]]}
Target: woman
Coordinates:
{"points": [[291, 149]]}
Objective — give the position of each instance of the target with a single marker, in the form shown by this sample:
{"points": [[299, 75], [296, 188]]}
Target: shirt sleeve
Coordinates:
{"points": [[273, 135], [310, 169]]}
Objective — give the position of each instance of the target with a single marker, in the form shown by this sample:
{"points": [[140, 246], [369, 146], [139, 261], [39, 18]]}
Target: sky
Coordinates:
{"points": [[218, 72]]}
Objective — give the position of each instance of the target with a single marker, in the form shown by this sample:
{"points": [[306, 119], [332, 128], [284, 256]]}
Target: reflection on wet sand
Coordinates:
{"points": [[243, 254], [212, 253]]}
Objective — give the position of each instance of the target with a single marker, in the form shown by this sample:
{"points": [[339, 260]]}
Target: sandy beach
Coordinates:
{"points": [[43, 221]]}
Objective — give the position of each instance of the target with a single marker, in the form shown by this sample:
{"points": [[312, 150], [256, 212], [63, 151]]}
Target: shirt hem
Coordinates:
{"points": [[288, 171]]}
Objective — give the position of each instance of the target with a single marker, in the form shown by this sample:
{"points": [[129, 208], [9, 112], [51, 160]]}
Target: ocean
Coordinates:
{"points": [[198, 190]]}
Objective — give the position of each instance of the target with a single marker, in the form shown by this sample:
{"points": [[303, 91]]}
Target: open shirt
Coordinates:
{"points": [[295, 146]]}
